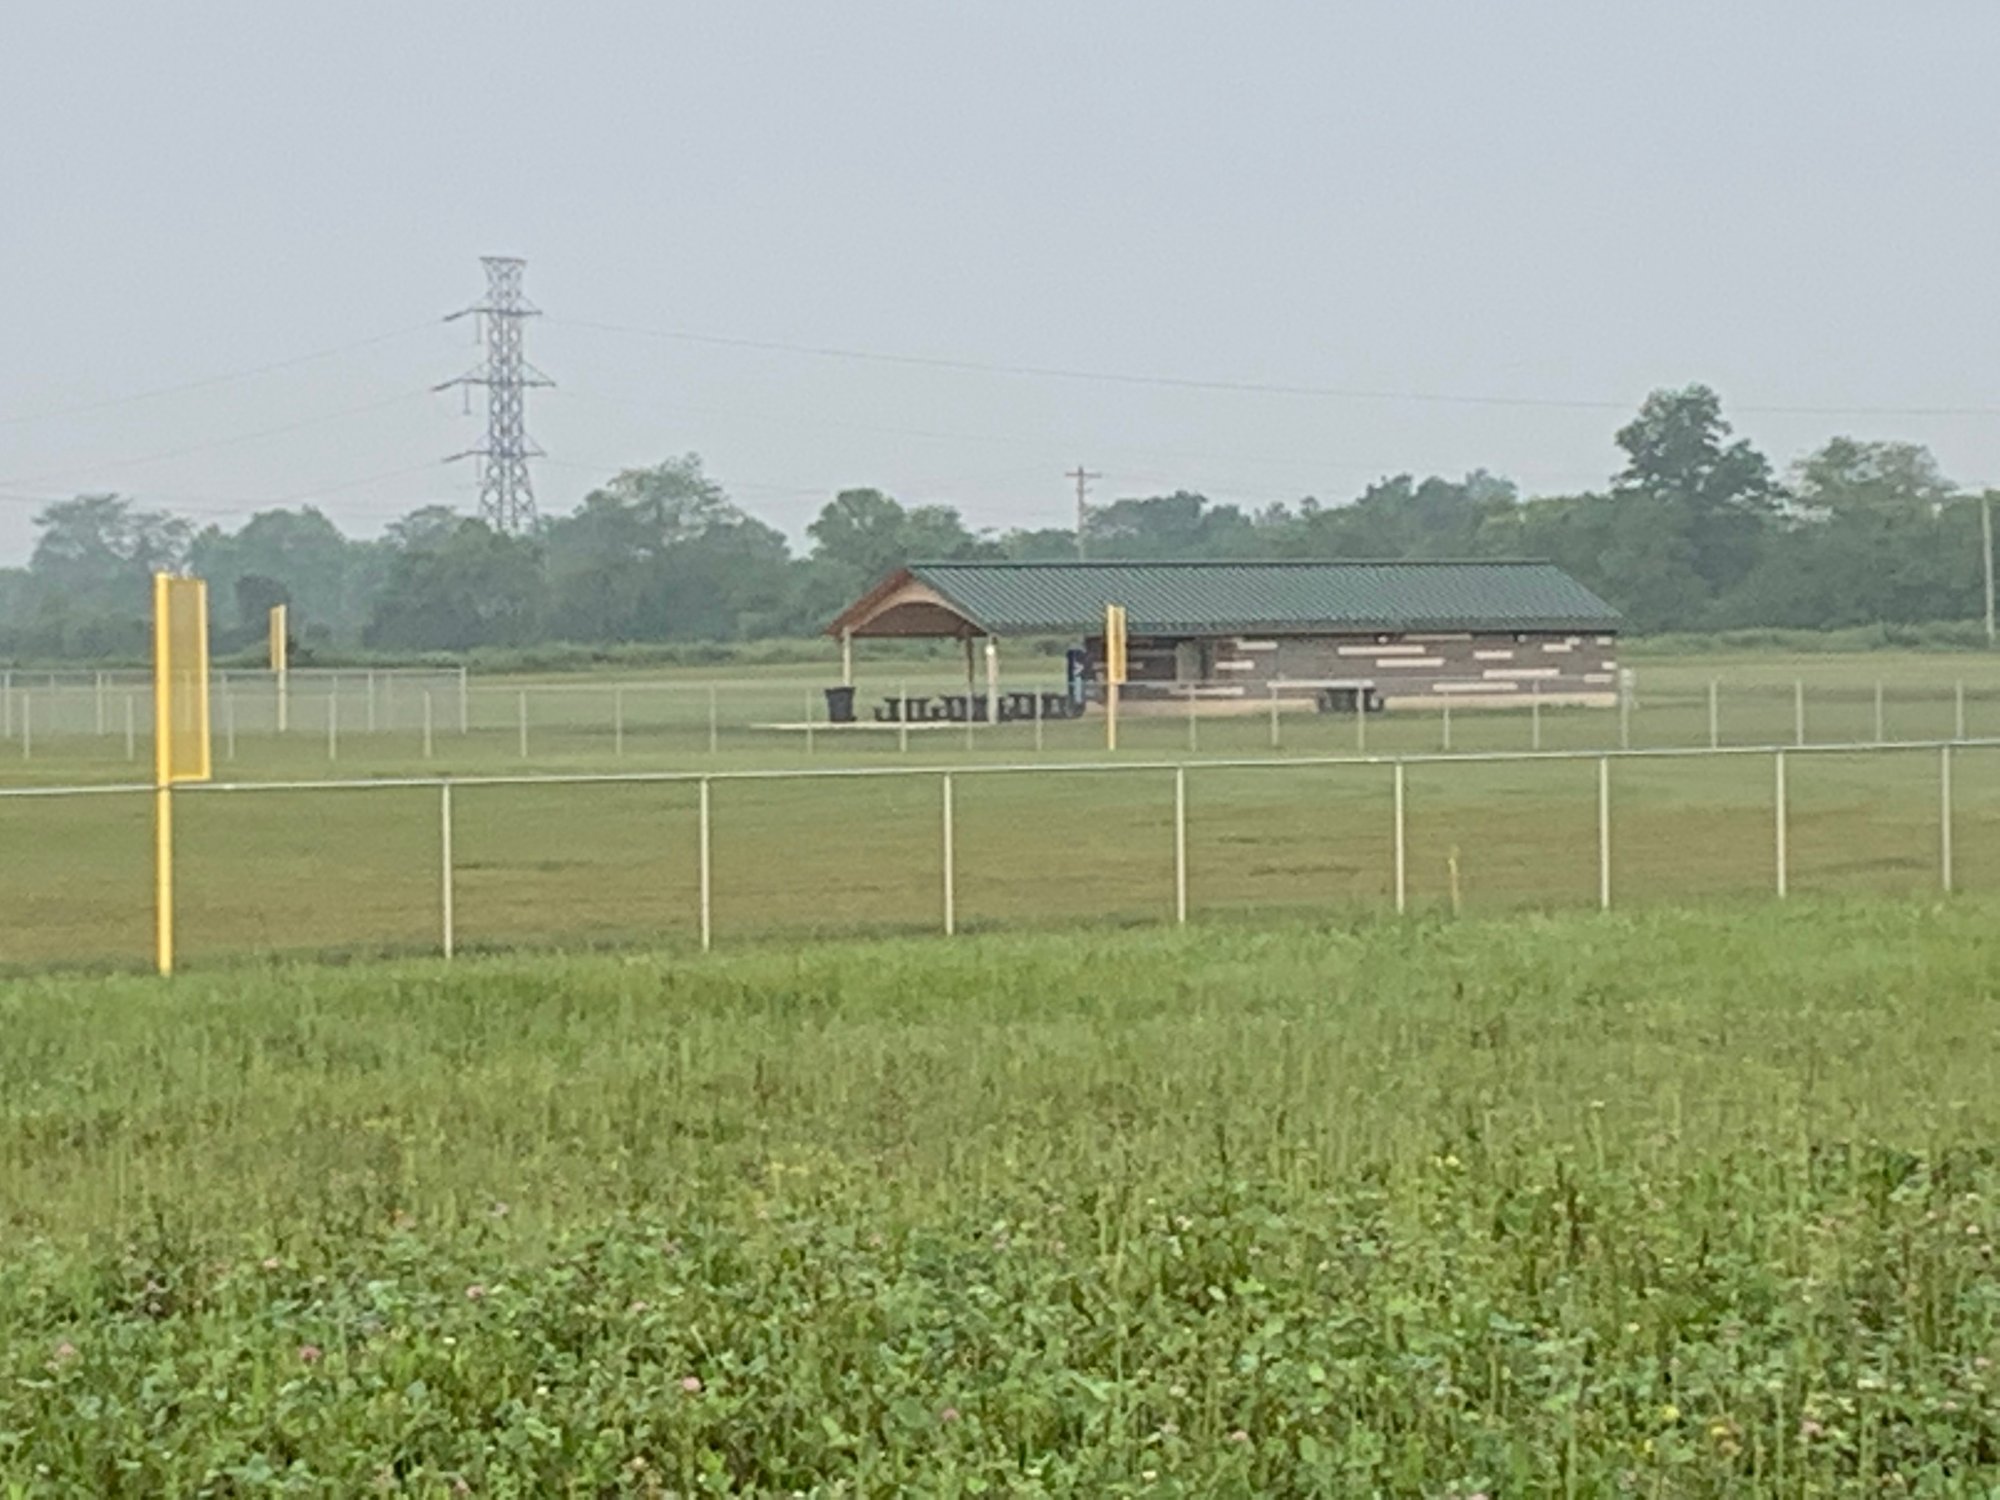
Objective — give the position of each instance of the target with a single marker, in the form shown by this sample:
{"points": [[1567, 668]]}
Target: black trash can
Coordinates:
{"points": [[840, 705]]}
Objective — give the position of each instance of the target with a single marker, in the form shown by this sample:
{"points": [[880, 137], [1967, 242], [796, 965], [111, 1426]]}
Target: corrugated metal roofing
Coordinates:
{"points": [[1197, 598]]}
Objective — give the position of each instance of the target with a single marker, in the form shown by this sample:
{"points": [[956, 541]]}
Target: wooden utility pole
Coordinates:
{"points": [[1082, 476]]}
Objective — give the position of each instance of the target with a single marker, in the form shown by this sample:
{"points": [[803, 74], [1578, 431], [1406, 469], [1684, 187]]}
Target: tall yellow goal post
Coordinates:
{"points": [[180, 729], [1114, 670], [281, 660]]}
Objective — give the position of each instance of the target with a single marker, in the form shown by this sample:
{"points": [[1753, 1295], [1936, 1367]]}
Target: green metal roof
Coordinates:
{"points": [[1196, 598]]}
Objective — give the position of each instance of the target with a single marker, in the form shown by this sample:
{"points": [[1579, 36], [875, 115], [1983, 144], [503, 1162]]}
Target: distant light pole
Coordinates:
{"points": [[1082, 476], [1986, 536]]}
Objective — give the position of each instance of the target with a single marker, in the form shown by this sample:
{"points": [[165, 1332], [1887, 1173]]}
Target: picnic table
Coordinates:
{"points": [[959, 708]]}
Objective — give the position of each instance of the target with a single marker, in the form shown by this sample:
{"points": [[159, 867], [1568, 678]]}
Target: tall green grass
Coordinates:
{"points": [[1679, 1204]]}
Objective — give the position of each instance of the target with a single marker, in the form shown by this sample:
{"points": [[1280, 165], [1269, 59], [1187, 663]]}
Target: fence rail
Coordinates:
{"points": [[445, 719], [567, 858]]}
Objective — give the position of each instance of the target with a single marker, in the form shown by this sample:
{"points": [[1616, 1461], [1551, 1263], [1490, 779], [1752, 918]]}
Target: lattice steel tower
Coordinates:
{"points": [[506, 493]]}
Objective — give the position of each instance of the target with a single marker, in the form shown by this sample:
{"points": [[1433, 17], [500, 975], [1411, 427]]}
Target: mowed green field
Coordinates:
{"points": [[358, 868], [1663, 1203]]}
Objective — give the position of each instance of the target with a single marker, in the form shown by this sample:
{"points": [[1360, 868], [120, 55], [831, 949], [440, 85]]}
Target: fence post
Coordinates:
{"points": [[429, 715], [1535, 718], [714, 739], [1958, 710], [949, 862], [131, 728], [1180, 847], [705, 875], [1274, 716], [1402, 846], [1944, 818], [464, 704], [1361, 722], [1624, 717], [1445, 742], [281, 694], [1038, 722], [369, 717], [1714, 715], [618, 722], [27, 725], [100, 701], [903, 718], [7, 705], [228, 720], [446, 920], [809, 724], [1604, 832], [333, 726], [1194, 734], [522, 716], [1881, 724], [1798, 711], [1781, 819]]}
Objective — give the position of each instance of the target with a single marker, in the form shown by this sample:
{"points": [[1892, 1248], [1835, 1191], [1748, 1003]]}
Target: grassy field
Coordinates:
{"points": [[1670, 1203], [358, 869]]}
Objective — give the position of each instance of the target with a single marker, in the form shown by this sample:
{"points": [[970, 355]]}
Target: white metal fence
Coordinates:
{"points": [[322, 865], [419, 715]]}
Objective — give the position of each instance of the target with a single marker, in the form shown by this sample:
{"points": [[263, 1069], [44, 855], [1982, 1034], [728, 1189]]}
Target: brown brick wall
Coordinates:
{"points": [[1463, 668]]}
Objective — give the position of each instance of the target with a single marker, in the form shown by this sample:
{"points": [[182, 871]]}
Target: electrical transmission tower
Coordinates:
{"points": [[506, 494]]}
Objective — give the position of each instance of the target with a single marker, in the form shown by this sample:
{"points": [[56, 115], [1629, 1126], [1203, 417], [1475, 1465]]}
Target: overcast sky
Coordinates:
{"points": [[1550, 206]]}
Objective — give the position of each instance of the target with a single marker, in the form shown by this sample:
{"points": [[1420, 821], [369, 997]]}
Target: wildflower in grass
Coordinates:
{"points": [[948, 1416], [691, 1384], [636, 1308], [500, 1210], [475, 1292], [1239, 1436], [1809, 1429], [64, 1353], [310, 1354], [272, 1263]]}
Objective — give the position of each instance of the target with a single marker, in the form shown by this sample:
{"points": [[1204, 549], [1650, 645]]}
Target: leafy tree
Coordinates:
{"points": [[455, 583], [322, 574], [101, 550], [1876, 535], [861, 535], [1707, 505], [1397, 517], [662, 554], [88, 589], [1180, 525]]}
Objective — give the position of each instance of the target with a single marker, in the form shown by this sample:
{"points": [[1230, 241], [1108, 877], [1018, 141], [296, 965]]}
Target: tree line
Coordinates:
{"points": [[1697, 532]]}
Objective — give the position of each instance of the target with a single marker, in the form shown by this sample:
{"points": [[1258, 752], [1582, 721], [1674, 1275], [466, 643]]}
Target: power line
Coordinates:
{"points": [[245, 505], [213, 380], [227, 442], [1316, 468], [1240, 387]]}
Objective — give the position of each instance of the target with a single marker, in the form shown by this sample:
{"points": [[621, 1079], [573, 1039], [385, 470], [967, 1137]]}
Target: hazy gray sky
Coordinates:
{"points": [[1562, 201]]}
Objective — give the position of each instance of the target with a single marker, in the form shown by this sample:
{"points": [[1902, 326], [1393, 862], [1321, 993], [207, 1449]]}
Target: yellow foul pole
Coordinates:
{"points": [[163, 769]]}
